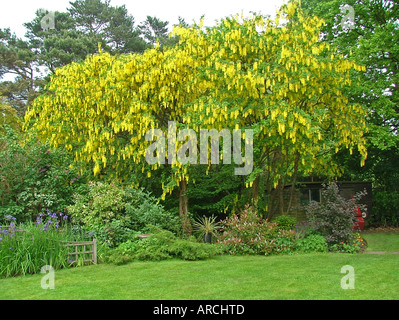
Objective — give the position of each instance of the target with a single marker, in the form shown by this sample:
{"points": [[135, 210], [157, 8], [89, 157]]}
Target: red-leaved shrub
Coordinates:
{"points": [[247, 233]]}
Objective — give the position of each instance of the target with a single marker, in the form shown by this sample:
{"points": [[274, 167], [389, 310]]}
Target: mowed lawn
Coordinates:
{"points": [[293, 277]]}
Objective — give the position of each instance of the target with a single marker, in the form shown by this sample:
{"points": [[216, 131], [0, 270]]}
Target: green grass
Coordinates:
{"points": [[301, 277], [388, 242]]}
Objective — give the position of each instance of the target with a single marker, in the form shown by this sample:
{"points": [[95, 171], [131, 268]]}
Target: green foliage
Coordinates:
{"points": [[356, 243], [333, 217], [161, 245], [26, 251], [303, 229], [34, 178], [385, 209], [156, 31], [311, 243], [18, 58], [285, 222], [217, 191], [116, 215], [247, 233], [102, 204], [8, 119], [372, 41], [143, 210]]}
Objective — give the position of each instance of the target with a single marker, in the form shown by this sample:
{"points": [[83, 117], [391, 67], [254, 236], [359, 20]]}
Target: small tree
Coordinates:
{"points": [[334, 216]]}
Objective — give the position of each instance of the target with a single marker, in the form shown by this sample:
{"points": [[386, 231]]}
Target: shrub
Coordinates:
{"points": [[116, 215], [143, 210], [33, 178], [99, 206], [333, 218], [189, 250], [247, 233], [312, 243], [285, 222], [161, 245]]}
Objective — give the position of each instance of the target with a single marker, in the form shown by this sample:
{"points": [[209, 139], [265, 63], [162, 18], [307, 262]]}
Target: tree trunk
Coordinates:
{"points": [[255, 191], [293, 182], [183, 208], [280, 190]]}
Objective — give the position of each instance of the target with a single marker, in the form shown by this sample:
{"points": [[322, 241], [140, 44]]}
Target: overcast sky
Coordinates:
{"points": [[14, 13]]}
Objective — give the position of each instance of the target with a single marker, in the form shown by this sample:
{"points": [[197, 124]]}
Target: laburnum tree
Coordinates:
{"points": [[277, 80], [289, 87]]}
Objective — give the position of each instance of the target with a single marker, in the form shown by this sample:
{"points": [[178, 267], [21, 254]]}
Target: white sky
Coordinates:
{"points": [[14, 13]]}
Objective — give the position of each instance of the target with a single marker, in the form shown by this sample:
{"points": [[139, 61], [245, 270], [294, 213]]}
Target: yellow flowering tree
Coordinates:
{"points": [[279, 81], [284, 83]]}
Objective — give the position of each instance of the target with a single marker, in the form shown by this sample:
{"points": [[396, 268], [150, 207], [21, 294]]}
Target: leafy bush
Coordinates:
{"points": [[247, 233], [100, 205], [190, 250], [116, 215], [33, 178], [333, 218], [285, 222], [161, 245], [143, 211], [312, 243]]}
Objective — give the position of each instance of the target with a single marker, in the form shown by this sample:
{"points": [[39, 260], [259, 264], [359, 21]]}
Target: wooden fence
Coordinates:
{"points": [[82, 252]]}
